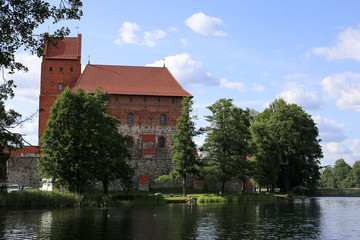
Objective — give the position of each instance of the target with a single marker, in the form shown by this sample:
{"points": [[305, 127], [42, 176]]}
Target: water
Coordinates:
{"points": [[314, 218]]}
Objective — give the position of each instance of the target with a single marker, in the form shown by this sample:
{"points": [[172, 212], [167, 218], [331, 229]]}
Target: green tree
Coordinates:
{"points": [[355, 173], [340, 174], [81, 144], [266, 156], [298, 141], [185, 159], [327, 179], [18, 21], [226, 142], [8, 119]]}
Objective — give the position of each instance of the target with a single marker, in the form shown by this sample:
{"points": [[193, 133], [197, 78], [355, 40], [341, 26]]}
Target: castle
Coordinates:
{"points": [[146, 100]]}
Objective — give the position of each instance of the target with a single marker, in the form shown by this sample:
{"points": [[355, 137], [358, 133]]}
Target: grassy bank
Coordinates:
{"points": [[337, 192], [57, 199]]}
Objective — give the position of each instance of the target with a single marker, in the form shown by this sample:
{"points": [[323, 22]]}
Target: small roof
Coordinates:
{"points": [[68, 48], [130, 80]]}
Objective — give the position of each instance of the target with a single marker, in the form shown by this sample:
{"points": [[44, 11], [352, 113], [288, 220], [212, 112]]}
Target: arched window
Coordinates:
{"points": [[162, 119], [161, 142], [60, 86], [130, 142], [130, 118]]}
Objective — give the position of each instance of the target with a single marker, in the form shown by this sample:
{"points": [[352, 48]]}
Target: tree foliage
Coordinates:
{"points": [[185, 158], [20, 18], [227, 141], [341, 175], [266, 156], [298, 142], [81, 144], [18, 21]]}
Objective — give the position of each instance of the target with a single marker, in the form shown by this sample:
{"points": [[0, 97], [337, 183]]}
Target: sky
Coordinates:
{"points": [[307, 52]]}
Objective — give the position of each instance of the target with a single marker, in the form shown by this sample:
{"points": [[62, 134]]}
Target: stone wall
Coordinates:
{"points": [[23, 171]]}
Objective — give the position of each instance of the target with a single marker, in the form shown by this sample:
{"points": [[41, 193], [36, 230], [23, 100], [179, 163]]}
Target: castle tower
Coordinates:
{"points": [[60, 68]]}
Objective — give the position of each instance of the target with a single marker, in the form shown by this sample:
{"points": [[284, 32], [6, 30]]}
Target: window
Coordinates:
{"points": [[158, 99], [130, 142], [162, 119], [144, 99], [130, 99], [60, 86], [71, 69], [130, 118], [161, 142], [61, 69], [50, 69]]}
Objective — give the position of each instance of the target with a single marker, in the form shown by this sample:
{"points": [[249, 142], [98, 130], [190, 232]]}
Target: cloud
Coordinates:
{"points": [[295, 93], [187, 71], [205, 25], [347, 47], [329, 130], [184, 41], [239, 86], [28, 83], [345, 89], [258, 87], [295, 76], [347, 150], [131, 33]]}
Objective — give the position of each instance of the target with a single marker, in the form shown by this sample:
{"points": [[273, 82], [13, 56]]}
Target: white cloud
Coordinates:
{"points": [[184, 41], [345, 89], [187, 71], [28, 83], [295, 76], [239, 86], [347, 150], [172, 29], [205, 25], [347, 47], [131, 33], [258, 87], [297, 94], [330, 131]]}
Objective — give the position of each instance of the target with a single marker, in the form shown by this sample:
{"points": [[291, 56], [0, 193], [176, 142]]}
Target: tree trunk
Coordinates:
{"points": [[184, 185], [222, 187], [243, 188], [259, 190], [105, 183]]}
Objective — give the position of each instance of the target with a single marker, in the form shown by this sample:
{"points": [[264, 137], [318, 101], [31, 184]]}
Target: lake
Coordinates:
{"points": [[313, 218]]}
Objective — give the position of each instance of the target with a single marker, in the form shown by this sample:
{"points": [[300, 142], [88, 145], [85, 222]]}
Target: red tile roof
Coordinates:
{"points": [[68, 48], [130, 80]]}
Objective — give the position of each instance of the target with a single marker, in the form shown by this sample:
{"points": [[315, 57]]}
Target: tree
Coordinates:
{"points": [[81, 144], [266, 156], [18, 21], [186, 161], [298, 141], [340, 173], [8, 119], [226, 142], [327, 179], [355, 173]]}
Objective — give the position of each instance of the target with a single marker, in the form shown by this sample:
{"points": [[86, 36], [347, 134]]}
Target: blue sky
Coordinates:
{"points": [[308, 52]]}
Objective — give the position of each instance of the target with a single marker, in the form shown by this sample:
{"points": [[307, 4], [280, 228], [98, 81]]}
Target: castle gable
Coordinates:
{"points": [[130, 80]]}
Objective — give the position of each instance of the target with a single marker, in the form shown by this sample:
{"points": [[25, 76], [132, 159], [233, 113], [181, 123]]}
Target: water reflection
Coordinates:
{"points": [[322, 218]]}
